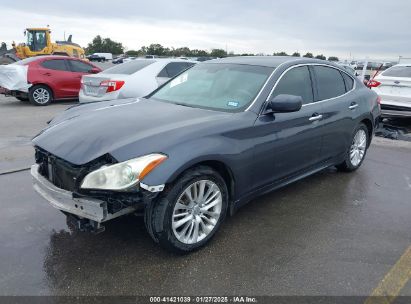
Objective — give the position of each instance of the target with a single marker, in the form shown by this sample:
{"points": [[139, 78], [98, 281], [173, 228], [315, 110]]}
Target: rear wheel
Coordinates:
{"points": [[357, 151], [40, 95], [188, 214]]}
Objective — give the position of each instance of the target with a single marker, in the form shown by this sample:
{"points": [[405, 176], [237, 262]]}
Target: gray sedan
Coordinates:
{"points": [[203, 144]]}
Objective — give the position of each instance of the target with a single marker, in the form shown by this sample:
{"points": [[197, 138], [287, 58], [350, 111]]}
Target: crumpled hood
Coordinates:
{"points": [[86, 132]]}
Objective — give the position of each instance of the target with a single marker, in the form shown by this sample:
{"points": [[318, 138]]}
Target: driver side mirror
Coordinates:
{"points": [[285, 103], [94, 71]]}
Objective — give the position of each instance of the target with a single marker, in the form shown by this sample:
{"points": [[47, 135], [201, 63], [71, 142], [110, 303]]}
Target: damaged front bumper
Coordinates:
{"points": [[83, 208]]}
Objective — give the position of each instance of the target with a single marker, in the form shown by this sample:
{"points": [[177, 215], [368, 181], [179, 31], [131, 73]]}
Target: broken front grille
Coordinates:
{"points": [[59, 172]]}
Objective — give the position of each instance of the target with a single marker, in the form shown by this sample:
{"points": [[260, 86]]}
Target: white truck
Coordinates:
{"points": [[106, 56]]}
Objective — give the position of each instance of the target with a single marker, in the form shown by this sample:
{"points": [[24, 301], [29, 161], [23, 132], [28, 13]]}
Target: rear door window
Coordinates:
{"points": [[349, 82], [296, 81], [330, 83], [174, 68], [55, 64], [398, 71], [129, 68], [79, 67], [163, 73]]}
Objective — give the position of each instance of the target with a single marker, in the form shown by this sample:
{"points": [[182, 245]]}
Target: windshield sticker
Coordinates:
{"points": [[179, 80], [233, 104]]}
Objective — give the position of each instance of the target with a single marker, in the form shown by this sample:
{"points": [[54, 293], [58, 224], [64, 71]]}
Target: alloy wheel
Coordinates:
{"points": [[197, 211], [41, 96], [358, 147]]}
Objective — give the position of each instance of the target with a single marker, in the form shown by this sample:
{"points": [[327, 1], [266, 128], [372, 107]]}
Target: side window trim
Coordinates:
{"points": [[349, 76], [309, 64], [341, 71], [71, 66], [163, 71], [313, 84], [68, 69], [68, 66]]}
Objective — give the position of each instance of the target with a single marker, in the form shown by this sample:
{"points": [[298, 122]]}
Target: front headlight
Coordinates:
{"points": [[123, 175]]}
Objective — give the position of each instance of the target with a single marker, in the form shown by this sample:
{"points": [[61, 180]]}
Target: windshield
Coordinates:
{"points": [[36, 40], [129, 68], [224, 87]]}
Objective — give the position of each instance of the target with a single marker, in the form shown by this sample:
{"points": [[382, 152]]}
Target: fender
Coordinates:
{"points": [[225, 150]]}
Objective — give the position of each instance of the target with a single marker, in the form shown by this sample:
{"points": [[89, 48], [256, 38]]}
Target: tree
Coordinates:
{"points": [[199, 53], [322, 57], [218, 53], [280, 54], [333, 58], [134, 53], [296, 54], [182, 51], [309, 55], [104, 45], [155, 49]]}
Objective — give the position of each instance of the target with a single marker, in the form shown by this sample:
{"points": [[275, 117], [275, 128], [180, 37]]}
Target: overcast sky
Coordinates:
{"points": [[377, 28]]}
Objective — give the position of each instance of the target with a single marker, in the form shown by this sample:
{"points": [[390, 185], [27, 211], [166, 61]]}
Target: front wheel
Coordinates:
{"points": [[40, 95], [357, 151], [188, 214]]}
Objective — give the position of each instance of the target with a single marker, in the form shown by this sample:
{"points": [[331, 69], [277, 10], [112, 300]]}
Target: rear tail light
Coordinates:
{"points": [[373, 84], [112, 85]]}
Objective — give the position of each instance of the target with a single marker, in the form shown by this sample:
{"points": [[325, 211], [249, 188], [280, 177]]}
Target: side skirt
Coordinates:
{"points": [[278, 184]]}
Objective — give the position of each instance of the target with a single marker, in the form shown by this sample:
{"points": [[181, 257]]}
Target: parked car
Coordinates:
{"points": [[199, 147], [136, 78], [127, 59], [46, 78], [118, 60], [105, 56], [394, 87], [95, 57]]}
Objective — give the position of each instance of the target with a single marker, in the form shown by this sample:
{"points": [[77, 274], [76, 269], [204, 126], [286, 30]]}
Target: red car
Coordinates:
{"points": [[52, 78]]}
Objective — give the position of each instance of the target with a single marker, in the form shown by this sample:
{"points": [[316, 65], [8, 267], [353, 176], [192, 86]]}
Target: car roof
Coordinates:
{"points": [[268, 61], [402, 65], [169, 60]]}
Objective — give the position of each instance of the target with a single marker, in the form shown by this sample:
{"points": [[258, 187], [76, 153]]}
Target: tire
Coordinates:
{"points": [[40, 95], [359, 148], [159, 214]]}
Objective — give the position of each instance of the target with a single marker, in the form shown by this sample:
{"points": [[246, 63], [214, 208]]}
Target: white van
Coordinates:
{"points": [[106, 56]]}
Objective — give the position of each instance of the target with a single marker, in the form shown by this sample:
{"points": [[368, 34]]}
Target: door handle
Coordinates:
{"points": [[315, 117], [353, 106], [47, 74]]}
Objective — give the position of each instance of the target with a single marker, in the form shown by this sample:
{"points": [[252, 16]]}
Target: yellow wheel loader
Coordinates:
{"points": [[39, 43]]}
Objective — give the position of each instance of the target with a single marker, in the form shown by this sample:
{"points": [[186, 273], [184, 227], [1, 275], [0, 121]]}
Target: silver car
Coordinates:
{"points": [[394, 88], [136, 78]]}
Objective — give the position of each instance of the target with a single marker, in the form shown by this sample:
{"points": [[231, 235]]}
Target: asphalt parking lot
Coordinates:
{"points": [[330, 234]]}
